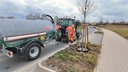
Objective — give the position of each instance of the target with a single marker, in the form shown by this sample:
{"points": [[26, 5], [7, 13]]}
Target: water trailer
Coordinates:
{"points": [[26, 36]]}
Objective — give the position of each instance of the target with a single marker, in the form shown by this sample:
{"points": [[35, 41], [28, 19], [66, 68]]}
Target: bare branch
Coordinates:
{"points": [[86, 7]]}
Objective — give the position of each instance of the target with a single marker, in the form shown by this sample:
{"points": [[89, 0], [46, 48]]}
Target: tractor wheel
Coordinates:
{"points": [[78, 34], [58, 36], [32, 51]]}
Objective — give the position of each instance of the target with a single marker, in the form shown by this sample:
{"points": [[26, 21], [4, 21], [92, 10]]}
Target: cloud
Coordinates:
{"points": [[107, 9], [112, 10], [24, 7]]}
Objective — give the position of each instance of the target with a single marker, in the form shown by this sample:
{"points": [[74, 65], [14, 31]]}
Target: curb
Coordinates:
{"points": [[95, 69], [41, 68]]}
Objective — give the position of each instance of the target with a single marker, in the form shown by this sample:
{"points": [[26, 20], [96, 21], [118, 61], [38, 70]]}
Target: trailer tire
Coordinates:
{"points": [[32, 51]]}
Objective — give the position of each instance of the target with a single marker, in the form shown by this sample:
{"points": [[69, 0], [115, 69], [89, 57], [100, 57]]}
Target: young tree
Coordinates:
{"points": [[86, 7]]}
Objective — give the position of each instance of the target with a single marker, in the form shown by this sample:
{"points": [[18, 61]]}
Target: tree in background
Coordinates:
{"points": [[10, 17], [101, 21], [2, 17]]}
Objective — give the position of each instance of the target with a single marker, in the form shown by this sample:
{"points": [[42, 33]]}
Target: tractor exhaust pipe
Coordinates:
{"points": [[55, 22]]}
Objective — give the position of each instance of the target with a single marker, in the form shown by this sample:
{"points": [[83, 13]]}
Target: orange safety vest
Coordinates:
{"points": [[71, 36]]}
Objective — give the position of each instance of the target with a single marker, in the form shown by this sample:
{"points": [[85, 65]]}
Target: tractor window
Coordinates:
{"points": [[70, 22], [64, 22]]}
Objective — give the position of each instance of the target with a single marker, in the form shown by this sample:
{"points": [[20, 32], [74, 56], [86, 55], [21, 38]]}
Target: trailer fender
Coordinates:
{"points": [[24, 45], [35, 41]]}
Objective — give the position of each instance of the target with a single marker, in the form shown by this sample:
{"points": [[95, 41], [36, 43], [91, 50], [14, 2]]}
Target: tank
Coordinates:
{"points": [[19, 27]]}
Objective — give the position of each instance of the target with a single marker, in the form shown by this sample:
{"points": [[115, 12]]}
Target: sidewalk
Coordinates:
{"points": [[114, 53]]}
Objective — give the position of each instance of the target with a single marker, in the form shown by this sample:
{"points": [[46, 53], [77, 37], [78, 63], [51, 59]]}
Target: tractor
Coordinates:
{"points": [[64, 28]]}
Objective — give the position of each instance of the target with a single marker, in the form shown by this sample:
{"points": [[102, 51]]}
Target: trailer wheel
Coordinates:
{"points": [[32, 51]]}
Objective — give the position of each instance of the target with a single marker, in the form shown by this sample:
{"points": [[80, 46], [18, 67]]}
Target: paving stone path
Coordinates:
{"points": [[114, 53]]}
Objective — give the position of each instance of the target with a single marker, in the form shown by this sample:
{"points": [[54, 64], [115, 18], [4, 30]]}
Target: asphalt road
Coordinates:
{"points": [[11, 64]]}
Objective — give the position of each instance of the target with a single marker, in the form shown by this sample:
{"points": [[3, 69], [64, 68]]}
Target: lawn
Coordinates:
{"points": [[70, 60], [119, 29]]}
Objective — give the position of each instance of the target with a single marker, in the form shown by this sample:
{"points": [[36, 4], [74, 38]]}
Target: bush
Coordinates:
{"points": [[72, 58], [91, 59], [62, 55]]}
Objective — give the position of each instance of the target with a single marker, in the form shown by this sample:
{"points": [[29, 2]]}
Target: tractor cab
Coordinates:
{"points": [[66, 27], [66, 22]]}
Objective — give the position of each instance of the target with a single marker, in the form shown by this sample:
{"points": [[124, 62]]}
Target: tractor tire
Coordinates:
{"points": [[78, 34], [32, 51], [58, 36]]}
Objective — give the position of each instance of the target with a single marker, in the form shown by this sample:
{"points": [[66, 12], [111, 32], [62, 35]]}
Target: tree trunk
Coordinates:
{"points": [[83, 30], [84, 19], [87, 34]]}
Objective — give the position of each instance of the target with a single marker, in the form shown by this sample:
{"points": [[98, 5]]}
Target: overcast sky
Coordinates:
{"points": [[108, 10]]}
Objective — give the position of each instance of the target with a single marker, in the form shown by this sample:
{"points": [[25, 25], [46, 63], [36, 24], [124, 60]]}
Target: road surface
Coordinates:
{"points": [[10, 64]]}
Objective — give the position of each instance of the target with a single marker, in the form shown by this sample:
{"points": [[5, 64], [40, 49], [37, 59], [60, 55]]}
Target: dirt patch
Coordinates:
{"points": [[70, 60]]}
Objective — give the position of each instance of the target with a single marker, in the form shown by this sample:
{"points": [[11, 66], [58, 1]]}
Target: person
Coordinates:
{"points": [[71, 35]]}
